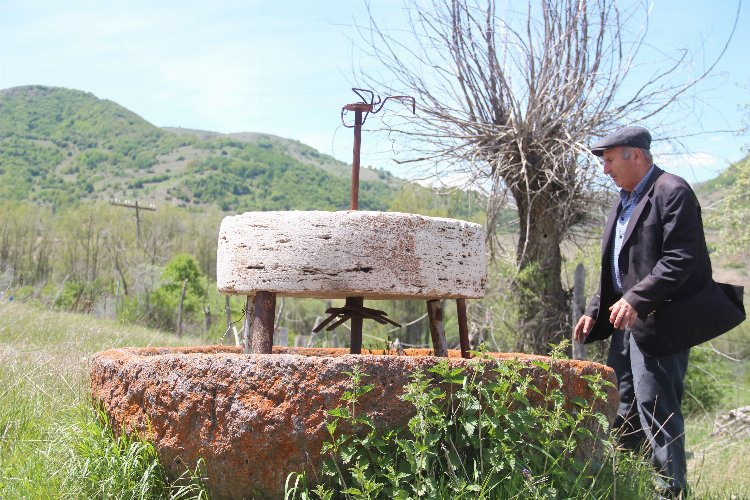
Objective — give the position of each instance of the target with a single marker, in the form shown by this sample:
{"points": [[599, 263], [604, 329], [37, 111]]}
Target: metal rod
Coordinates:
{"points": [[361, 111], [263, 319], [463, 328], [437, 329], [356, 345], [354, 202]]}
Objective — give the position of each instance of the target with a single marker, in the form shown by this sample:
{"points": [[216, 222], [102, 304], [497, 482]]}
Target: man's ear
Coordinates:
{"points": [[638, 154]]}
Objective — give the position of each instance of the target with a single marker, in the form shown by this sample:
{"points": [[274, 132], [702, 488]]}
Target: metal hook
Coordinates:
{"points": [[372, 105]]}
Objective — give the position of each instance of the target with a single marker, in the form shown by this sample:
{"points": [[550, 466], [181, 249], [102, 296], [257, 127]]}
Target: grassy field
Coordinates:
{"points": [[46, 416], [44, 400], [719, 467]]}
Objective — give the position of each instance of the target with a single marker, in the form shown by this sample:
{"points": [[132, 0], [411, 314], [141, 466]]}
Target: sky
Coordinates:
{"points": [[284, 67]]}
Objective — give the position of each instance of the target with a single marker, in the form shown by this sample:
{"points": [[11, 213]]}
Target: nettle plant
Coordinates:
{"points": [[489, 430]]}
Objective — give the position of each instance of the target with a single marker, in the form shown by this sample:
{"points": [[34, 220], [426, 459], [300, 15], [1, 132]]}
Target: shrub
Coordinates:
{"points": [[182, 269], [706, 381], [82, 296], [475, 436]]}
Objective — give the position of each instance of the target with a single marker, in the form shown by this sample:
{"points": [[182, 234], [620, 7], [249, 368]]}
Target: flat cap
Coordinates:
{"points": [[633, 136]]}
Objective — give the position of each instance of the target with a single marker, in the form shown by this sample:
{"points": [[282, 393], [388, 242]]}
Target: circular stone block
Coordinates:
{"points": [[377, 255], [254, 419]]}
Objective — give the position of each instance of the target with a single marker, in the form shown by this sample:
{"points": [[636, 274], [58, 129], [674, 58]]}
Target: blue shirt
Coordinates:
{"points": [[628, 202]]}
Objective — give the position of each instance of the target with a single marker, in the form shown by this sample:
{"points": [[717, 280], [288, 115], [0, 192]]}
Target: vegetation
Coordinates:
{"points": [[52, 442], [104, 465], [731, 213], [59, 147], [477, 434], [90, 258], [68, 153], [463, 442]]}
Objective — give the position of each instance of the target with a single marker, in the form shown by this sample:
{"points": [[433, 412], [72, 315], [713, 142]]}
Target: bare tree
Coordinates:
{"points": [[508, 101]]}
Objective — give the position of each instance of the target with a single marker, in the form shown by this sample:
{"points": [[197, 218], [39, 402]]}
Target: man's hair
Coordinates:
{"points": [[645, 152]]}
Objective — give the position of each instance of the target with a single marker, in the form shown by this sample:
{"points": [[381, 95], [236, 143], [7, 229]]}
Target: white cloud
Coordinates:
{"points": [[693, 166]]}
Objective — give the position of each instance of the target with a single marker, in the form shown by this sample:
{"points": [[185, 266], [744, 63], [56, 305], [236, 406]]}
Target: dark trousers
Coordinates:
{"points": [[651, 389]]}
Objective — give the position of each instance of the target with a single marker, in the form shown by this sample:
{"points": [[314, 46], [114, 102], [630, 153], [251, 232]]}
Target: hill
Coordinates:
{"points": [[723, 232], [59, 146]]}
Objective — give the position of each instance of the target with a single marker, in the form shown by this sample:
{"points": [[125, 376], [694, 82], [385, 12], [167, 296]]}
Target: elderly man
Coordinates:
{"points": [[656, 299]]}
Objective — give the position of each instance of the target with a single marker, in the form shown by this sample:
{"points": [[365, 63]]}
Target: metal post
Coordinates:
{"points": [[361, 110], [358, 108], [437, 329], [354, 202], [263, 319], [356, 321], [356, 346], [463, 328]]}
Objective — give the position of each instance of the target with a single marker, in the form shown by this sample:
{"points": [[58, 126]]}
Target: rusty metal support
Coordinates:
{"points": [[356, 345], [361, 111], [437, 329], [347, 312], [247, 332], [354, 200], [358, 109], [263, 322], [463, 328]]}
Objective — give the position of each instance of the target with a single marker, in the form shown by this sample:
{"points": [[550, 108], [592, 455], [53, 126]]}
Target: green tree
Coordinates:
{"points": [[732, 213], [181, 270]]}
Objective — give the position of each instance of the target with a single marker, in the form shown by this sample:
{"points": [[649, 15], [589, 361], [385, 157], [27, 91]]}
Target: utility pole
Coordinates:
{"points": [[138, 208]]}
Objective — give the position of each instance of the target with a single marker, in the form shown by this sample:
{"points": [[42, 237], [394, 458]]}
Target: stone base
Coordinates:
{"points": [[255, 418]]}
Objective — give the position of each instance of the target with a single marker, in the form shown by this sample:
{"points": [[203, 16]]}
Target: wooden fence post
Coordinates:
{"points": [[577, 308], [247, 331], [179, 309]]}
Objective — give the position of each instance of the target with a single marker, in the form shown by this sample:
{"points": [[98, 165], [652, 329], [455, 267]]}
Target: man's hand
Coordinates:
{"points": [[622, 315], [583, 327]]}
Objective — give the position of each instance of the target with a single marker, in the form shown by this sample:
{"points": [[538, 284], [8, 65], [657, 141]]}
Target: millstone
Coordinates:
{"points": [[376, 255]]}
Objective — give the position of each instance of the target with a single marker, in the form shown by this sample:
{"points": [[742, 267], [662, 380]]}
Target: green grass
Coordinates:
{"points": [[52, 445], [718, 467]]}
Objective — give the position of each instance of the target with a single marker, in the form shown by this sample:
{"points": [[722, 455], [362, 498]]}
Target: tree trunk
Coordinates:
{"points": [[542, 302]]}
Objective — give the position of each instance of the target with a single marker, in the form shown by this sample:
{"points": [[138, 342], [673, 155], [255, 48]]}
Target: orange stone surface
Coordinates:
{"points": [[255, 418]]}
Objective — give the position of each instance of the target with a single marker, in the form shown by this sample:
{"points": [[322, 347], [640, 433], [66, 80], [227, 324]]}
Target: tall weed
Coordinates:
{"points": [[484, 431], [101, 464]]}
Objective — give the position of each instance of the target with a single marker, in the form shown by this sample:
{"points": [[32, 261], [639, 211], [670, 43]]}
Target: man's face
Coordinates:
{"points": [[624, 173]]}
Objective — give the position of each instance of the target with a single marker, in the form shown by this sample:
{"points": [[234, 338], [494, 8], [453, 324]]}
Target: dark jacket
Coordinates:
{"points": [[666, 273]]}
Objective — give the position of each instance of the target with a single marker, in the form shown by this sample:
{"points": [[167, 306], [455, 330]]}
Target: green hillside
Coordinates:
{"points": [[59, 146]]}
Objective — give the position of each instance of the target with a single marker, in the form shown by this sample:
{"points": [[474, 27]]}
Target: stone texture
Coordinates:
{"points": [[256, 418], [351, 253]]}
